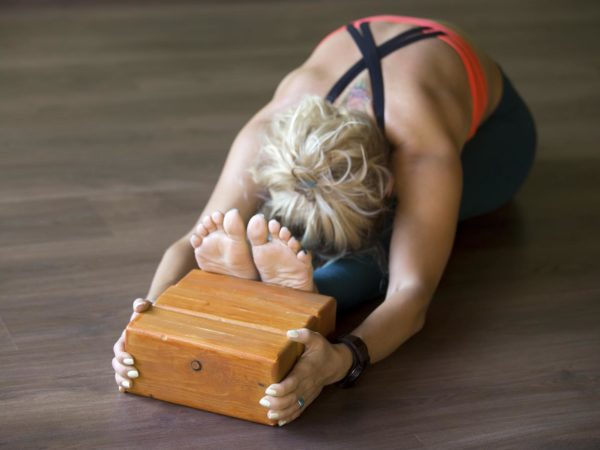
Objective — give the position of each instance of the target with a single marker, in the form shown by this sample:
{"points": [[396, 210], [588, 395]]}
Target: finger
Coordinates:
{"points": [[121, 354], [123, 383], [281, 403], [289, 390], [294, 411], [119, 345], [125, 358], [284, 387], [141, 305], [125, 371], [292, 381]]}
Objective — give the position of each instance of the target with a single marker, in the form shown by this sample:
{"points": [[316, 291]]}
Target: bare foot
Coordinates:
{"points": [[279, 260], [220, 246]]}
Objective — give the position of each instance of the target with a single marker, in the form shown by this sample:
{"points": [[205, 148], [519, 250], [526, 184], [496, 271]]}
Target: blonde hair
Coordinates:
{"points": [[325, 172]]}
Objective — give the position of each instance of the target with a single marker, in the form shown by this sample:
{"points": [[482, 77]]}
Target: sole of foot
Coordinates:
{"points": [[220, 245], [278, 256]]}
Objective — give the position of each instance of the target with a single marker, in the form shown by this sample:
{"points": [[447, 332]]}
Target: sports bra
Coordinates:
{"points": [[425, 29]]}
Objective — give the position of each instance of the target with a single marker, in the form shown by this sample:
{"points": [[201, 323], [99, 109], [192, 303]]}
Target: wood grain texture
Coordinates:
{"points": [[216, 322], [114, 123]]}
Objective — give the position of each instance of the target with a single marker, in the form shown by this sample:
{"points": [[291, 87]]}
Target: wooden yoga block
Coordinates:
{"points": [[215, 342]]}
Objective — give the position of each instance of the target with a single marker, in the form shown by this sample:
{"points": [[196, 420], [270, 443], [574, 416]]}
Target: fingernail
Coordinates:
{"points": [[133, 374], [282, 423], [266, 403], [270, 391], [128, 361], [292, 333], [126, 384], [273, 415]]}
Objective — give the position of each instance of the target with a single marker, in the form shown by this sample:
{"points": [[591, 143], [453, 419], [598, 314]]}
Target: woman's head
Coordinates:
{"points": [[325, 172]]}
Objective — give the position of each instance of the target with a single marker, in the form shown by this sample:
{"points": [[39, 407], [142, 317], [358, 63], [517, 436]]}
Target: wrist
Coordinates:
{"points": [[343, 363]]}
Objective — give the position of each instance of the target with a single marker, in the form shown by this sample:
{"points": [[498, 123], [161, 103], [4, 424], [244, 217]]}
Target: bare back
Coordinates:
{"points": [[427, 69]]}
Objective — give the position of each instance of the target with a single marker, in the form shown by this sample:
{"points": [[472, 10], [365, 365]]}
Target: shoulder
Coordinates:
{"points": [[289, 91], [304, 80], [426, 120]]}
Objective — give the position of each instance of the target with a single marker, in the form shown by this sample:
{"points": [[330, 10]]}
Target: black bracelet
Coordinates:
{"points": [[360, 359]]}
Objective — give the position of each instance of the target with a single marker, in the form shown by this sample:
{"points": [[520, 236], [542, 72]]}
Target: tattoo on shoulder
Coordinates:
{"points": [[359, 96]]}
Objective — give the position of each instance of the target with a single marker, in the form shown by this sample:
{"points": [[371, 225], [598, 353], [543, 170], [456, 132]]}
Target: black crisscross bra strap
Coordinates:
{"points": [[371, 60]]}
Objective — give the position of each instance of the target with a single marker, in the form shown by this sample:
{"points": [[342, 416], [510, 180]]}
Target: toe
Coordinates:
{"points": [[305, 258], [274, 228], [217, 218], [294, 245], [285, 234], [195, 241], [209, 224], [257, 230], [233, 225], [201, 231]]}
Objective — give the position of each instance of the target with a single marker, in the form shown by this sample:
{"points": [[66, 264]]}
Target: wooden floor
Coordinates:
{"points": [[114, 122]]}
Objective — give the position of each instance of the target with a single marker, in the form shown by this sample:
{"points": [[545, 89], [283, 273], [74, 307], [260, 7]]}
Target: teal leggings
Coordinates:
{"points": [[495, 162]]}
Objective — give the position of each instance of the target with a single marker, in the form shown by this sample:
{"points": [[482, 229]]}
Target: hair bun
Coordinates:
{"points": [[325, 171]]}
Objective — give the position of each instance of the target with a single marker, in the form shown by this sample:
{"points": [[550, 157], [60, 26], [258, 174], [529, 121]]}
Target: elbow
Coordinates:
{"points": [[419, 312], [419, 322], [411, 302]]}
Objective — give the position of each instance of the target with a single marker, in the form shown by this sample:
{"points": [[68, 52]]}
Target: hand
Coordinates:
{"points": [[123, 363], [320, 364]]}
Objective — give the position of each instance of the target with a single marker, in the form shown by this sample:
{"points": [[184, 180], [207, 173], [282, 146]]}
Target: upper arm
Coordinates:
{"points": [[427, 134], [428, 189], [235, 187]]}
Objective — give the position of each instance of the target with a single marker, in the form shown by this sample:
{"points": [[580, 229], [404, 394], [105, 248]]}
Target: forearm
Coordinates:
{"points": [[392, 323], [234, 189], [175, 263], [399, 317]]}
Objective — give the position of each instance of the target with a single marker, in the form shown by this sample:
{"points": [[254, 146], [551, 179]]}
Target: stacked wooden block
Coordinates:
{"points": [[215, 342]]}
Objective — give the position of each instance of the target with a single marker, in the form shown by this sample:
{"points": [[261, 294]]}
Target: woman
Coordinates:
{"points": [[367, 157]]}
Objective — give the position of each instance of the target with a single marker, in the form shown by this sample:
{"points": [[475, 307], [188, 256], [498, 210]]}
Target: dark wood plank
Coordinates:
{"points": [[114, 122]]}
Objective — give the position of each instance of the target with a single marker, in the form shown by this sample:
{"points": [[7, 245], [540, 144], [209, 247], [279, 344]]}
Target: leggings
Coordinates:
{"points": [[495, 163]]}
